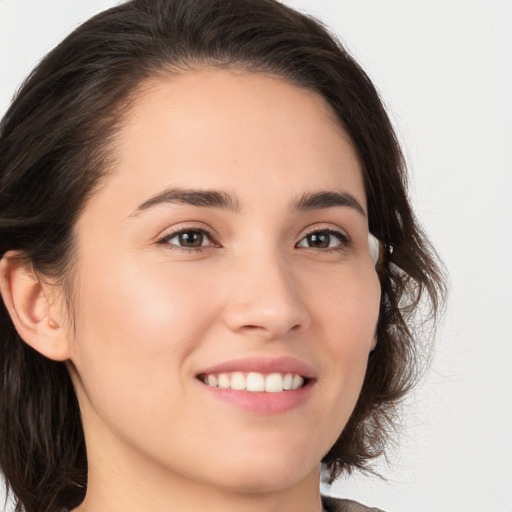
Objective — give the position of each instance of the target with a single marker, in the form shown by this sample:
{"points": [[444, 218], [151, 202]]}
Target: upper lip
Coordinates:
{"points": [[264, 365]]}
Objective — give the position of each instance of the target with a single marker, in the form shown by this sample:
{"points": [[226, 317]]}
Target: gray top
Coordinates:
{"points": [[335, 505], [338, 505]]}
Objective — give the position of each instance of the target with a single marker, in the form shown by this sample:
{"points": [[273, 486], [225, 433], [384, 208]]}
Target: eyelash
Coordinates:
{"points": [[180, 231], [342, 237], [344, 240]]}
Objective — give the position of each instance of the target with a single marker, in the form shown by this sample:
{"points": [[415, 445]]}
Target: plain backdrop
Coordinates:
{"points": [[444, 69]]}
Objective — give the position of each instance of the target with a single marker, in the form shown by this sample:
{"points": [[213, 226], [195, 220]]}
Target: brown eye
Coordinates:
{"points": [[319, 240], [188, 239], [327, 239]]}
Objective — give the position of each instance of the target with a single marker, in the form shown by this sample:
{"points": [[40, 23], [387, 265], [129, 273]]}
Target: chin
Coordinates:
{"points": [[266, 473]]}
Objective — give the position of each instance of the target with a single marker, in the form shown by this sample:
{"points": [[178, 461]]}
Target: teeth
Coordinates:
{"points": [[297, 381], [237, 381], [254, 381], [224, 382], [274, 383]]}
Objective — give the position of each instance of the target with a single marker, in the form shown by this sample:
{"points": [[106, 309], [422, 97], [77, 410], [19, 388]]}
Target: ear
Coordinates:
{"points": [[33, 306]]}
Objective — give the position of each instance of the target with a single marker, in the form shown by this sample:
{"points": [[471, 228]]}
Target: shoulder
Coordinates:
{"points": [[339, 505]]}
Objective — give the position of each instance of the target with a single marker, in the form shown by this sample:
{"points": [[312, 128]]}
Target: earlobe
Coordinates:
{"points": [[32, 307]]}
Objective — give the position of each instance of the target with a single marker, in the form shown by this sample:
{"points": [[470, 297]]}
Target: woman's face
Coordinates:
{"points": [[229, 245]]}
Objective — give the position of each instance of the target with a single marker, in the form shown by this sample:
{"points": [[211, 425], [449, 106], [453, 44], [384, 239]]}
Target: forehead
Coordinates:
{"points": [[233, 131]]}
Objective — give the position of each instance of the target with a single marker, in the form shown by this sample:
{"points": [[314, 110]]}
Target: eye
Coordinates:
{"points": [[193, 238], [324, 239]]}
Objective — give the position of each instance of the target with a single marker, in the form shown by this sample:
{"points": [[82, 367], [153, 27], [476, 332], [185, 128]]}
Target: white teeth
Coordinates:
{"points": [[237, 381], [224, 381], [297, 382], [212, 380], [255, 382], [274, 383]]}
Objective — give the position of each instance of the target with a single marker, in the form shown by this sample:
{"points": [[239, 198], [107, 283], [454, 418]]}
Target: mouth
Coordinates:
{"points": [[260, 385], [255, 382]]}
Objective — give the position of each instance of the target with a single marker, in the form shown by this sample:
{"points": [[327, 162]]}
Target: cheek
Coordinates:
{"points": [[344, 308], [347, 313], [140, 306], [346, 303], [134, 330]]}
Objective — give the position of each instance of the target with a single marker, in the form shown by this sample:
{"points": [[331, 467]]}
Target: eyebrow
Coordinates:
{"points": [[328, 199], [224, 200], [193, 197]]}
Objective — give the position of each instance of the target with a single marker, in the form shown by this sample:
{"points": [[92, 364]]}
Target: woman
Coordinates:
{"points": [[209, 265]]}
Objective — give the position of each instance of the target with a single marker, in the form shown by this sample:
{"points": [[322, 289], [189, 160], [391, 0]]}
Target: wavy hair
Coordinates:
{"points": [[55, 148]]}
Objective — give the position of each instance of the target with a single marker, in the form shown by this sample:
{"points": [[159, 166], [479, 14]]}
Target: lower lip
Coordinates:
{"points": [[263, 402]]}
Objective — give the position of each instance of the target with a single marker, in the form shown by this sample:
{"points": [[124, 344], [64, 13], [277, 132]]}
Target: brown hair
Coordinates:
{"points": [[54, 150]]}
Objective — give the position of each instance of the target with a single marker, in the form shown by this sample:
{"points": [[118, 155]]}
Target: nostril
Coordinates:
{"points": [[252, 328]]}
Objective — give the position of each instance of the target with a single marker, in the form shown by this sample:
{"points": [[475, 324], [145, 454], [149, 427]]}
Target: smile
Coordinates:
{"points": [[254, 382]]}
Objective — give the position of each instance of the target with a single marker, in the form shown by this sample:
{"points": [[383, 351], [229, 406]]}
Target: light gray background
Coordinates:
{"points": [[444, 68]]}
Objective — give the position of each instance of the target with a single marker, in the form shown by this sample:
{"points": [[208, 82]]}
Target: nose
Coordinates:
{"points": [[266, 300]]}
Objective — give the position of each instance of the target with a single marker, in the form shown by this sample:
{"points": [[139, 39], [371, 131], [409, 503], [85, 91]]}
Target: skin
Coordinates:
{"points": [[149, 314]]}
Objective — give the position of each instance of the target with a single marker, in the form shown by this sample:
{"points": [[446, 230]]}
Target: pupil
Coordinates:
{"points": [[319, 240], [191, 239]]}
